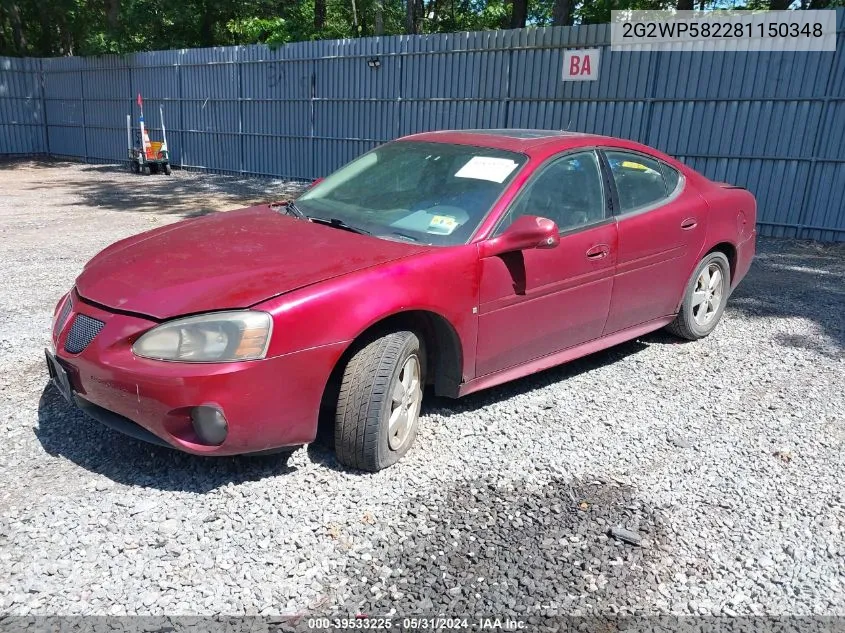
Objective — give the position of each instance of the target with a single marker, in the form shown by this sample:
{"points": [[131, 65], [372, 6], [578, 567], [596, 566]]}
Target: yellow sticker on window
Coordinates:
{"points": [[632, 165], [443, 224]]}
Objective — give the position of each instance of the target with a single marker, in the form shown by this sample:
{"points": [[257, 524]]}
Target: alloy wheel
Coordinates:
{"points": [[707, 296], [405, 405]]}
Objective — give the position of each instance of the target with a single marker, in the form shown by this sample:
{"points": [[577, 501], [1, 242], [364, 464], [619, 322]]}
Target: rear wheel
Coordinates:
{"points": [[166, 169], [378, 405], [704, 300]]}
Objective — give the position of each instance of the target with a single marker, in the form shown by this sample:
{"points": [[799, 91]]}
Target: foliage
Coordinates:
{"points": [[91, 27]]}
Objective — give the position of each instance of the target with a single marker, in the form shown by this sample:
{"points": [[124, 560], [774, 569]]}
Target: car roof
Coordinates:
{"points": [[518, 140], [533, 142]]}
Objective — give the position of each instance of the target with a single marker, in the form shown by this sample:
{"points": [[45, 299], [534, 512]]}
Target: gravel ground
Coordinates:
{"points": [[725, 456]]}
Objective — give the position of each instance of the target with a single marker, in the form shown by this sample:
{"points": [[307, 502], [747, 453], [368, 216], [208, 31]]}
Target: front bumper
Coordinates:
{"points": [[268, 404]]}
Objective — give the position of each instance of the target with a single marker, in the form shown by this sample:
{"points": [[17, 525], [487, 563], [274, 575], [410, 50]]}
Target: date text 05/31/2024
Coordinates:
{"points": [[416, 623]]}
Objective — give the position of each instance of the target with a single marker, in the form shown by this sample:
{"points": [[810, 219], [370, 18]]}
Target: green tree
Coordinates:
{"points": [[90, 27]]}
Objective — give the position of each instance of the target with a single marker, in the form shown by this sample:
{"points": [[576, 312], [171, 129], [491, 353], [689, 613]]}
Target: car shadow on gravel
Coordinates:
{"points": [[322, 453], [524, 550], [534, 382], [186, 194], [65, 431], [798, 279]]}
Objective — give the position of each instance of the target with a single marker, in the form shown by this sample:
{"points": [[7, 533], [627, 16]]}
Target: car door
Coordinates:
{"points": [[539, 301], [661, 232]]}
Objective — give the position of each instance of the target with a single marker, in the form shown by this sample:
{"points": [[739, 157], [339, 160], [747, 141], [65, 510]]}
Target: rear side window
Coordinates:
{"points": [[671, 176], [640, 181]]}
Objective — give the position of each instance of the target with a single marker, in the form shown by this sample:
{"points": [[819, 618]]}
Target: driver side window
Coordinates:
{"points": [[568, 191]]}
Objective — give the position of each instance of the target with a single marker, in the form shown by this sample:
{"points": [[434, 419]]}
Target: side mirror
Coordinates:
{"points": [[527, 231]]}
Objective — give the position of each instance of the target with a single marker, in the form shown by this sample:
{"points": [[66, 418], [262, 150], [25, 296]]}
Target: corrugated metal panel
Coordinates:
{"points": [[777, 204], [826, 204], [773, 122], [21, 107]]}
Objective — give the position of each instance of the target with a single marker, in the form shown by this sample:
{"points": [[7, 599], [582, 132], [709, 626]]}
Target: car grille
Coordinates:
{"points": [[60, 320], [82, 332]]}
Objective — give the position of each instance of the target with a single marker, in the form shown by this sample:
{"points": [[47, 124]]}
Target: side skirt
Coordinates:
{"points": [[563, 356]]}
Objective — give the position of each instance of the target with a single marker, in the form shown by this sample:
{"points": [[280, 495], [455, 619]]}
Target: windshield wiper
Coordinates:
{"points": [[289, 207], [339, 224], [405, 236]]}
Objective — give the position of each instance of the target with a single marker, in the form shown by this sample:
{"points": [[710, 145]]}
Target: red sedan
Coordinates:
{"points": [[459, 260]]}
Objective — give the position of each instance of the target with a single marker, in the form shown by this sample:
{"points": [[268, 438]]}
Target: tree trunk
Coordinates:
{"points": [[562, 13], [433, 13], [18, 35], [419, 14], [319, 15], [410, 19], [65, 36], [378, 25], [355, 29], [413, 17], [112, 14], [207, 26], [46, 44], [5, 45], [519, 14]]}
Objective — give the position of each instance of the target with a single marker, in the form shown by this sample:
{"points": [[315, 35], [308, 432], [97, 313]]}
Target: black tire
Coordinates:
{"points": [[685, 324], [153, 168], [145, 169], [365, 401], [134, 166], [166, 169]]}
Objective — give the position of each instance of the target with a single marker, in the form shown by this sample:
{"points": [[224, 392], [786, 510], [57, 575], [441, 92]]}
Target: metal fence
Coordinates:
{"points": [[773, 122]]}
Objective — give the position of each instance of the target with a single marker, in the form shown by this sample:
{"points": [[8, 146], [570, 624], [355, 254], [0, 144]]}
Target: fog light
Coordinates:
{"points": [[209, 424]]}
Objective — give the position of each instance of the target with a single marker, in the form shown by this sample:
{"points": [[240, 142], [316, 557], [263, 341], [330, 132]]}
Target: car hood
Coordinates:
{"points": [[226, 260]]}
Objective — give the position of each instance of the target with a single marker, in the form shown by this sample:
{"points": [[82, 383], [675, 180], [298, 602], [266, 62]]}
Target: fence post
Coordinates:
{"points": [[41, 86], [240, 112], [651, 91], [399, 88], [183, 163], [312, 116], [84, 128], [508, 76]]}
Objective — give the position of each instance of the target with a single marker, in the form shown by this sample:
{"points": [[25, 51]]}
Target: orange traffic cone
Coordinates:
{"points": [[148, 150]]}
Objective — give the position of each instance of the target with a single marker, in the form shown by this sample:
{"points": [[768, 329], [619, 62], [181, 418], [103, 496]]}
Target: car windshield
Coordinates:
{"points": [[432, 193]]}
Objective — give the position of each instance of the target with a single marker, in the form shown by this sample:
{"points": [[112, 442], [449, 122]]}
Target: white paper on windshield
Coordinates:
{"points": [[487, 168]]}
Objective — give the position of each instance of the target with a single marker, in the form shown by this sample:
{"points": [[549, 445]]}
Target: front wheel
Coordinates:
{"points": [[704, 299], [378, 405]]}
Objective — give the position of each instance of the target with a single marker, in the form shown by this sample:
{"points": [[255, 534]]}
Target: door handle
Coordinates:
{"points": [[598, 252], [689, 223]]}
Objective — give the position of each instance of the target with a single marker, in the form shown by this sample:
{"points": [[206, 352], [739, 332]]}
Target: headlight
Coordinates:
{"points": [[61, 313], [209, 338]]}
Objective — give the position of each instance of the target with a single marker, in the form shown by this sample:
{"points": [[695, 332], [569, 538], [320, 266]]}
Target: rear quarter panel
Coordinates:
{"points": [[733, 217]]}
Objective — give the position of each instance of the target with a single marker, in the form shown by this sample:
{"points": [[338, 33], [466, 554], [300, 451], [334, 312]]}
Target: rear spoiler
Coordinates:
{"points": [[727, 185]]}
